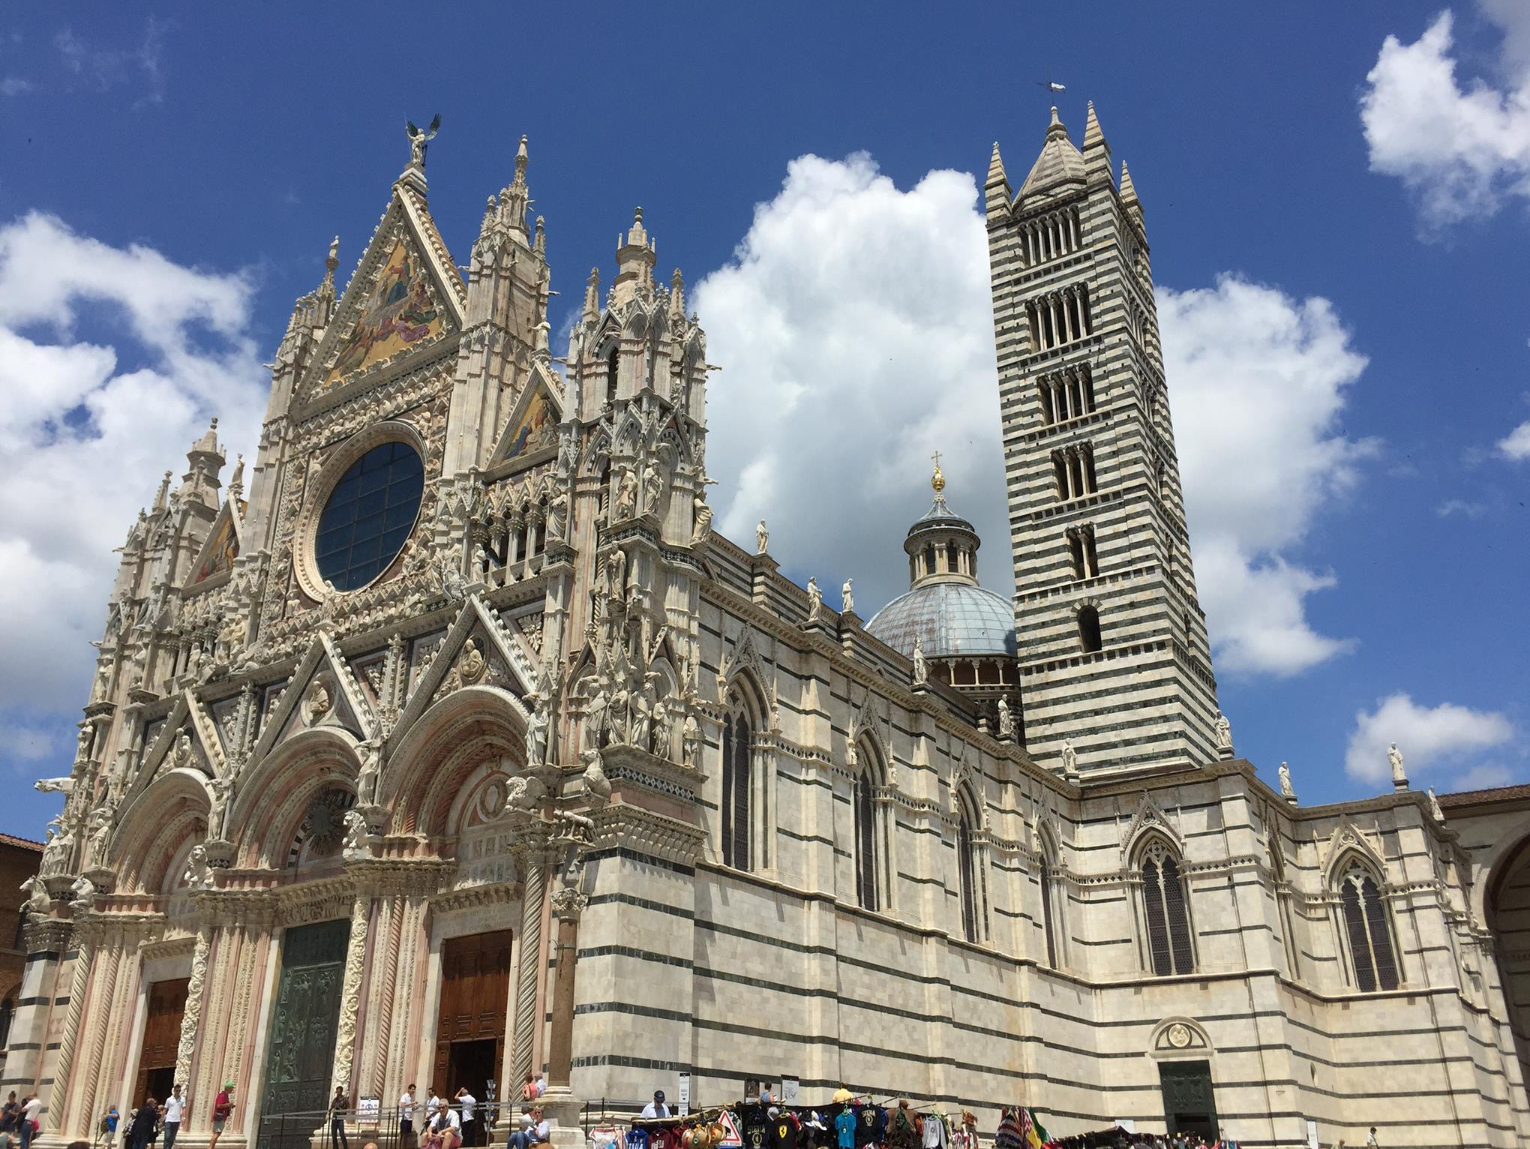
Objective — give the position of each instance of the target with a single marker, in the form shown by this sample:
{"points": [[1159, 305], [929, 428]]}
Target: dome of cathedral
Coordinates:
{"points": [[950, 618], [945, 607]]}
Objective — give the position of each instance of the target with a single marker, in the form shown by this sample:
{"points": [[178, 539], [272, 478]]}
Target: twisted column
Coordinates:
{"points": [[535, 887], [388, 987], [78, 979]]}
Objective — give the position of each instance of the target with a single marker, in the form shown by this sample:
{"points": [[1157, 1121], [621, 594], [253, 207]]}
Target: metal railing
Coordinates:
{"points": [[493, 1123]]}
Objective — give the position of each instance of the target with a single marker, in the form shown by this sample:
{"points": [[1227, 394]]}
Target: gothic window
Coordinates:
{"points": [[1060, 473], [736, 780], [1048, 411], [967, 870], [1283, 906], [1366, 930], [1086, 453], [612, 363], [1076, 551], [1052, 902], [1086, 560], [1089, 629], [1164, 911], [864, 813]]}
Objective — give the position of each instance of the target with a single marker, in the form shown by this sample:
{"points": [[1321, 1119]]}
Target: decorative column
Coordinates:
{"points": [[79, 978], [535, 886], [567, 904], [350, 991], [191, 1017]]}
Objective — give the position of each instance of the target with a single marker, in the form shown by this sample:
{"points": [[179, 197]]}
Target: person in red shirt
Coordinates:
{"points": [[223, 1106]]}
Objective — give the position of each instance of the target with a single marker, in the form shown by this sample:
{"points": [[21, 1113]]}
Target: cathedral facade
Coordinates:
{"points": [[457, 746]]}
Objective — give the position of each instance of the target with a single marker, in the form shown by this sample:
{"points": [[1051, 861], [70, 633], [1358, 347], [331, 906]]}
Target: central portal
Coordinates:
{"points": [[470, 1032], [301, 1057]]}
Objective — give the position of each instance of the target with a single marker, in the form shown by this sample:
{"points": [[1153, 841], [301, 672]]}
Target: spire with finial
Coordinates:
{"points": [[635, 258], [938, 479], [1128, 189], [996, 191], [419, 141], [236, 480], [539, 241], [331, 261], [1096, 149], [1058, 165], [591, 312], [677, 298], [164, 492], [515, 200]]}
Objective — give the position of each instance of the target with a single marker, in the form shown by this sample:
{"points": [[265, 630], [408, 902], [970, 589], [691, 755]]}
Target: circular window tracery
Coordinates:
{"points": [[368, 516]]}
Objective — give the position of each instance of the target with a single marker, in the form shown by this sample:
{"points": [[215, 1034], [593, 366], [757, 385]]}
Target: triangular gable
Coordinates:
{"points": [[322, 691], [531, 434], [221, 547], [1149, 816], [183, 741], [406, 295], [475, 621]]}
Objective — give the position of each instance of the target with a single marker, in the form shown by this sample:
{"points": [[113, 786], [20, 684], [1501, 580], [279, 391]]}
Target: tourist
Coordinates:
{"points": [[1371, 1142], [432, 1105], [541, 1130], [145, 1119], [655, 1108], [529, 1087], [406, 1117], [223, 1108], [30, 1109], [175, 1105], [108, 1125], [469, 1105], [541, 1083], [521, 1138], [444, 1130], [337, 1107]]}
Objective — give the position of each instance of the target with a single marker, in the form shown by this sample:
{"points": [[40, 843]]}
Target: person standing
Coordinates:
{"points": [[406, 1118], [655, 1108], [469, 1105], [1370, 1141], [175, 1105], [145, 1117], [31, 1108], [337, 1107], [223, 1109]]}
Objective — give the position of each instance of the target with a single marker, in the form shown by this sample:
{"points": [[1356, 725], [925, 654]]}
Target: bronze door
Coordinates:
{"points": [[301, 1051]]}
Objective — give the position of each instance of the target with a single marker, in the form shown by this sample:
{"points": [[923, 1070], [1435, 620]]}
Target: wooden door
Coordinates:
{"points": [[161, 1034], [475, 993]]}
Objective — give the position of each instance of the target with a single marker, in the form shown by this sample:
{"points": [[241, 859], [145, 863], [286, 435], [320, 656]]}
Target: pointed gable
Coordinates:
{"points": [[405, 296], [221, 548], [532, 431]]}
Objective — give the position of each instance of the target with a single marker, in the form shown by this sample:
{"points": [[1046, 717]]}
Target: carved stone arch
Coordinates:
{"points": [[635, 323], [629, 433], [1048, 842], [744, 656], [1179, 1037], [1348, 839], [1153, 842], [1148, 819], [429, 766], [272, 795], [597, 452], [746, 688], [143, 839]]}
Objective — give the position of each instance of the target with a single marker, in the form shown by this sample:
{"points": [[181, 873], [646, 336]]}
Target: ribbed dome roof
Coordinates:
{"points": [[950, 618], [1059, 162]]}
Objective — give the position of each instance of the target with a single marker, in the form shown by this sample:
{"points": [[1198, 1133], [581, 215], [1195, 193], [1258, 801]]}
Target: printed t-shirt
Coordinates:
{"points": [[844, 1125], [783, 1131], [754, 1127], [870, 1122], [637, 1139]]}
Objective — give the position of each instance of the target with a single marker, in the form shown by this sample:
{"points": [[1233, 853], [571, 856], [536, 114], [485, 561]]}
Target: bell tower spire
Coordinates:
{"points": [[1117, 662]]}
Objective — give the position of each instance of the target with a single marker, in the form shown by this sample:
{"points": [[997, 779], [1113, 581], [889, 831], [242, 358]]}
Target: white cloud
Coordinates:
{"points": [[1515, 446], [100, 68], [15, 86], [26, 743], [854, 326], [1461, 151], [1485, 777], [1257, 385], [88, 428], [1428, 736], [855, 332], [1461, 507]]}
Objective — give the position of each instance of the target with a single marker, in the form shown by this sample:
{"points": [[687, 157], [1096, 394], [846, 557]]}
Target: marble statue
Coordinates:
{"points": [[815, 600], [54, 786], [1069, 760], [536, 732], [100, 833], [37, 896], [691, 737], [653, 489], [419, 139], [921, 668], [1286, 790], [703, 521], [847, 599], [355, 832], [595, 781], [596, 714], [1006, 719], [626, 495], [662, 725], [761, 538], [199, 874], [1394, 756], [1434, 807], [1224, 732]]}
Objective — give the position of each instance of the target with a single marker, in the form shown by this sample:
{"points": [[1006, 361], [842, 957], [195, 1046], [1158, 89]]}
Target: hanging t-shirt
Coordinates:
{"points": [[783, 1131], [870, 1123], [754, 1126], [1009, 1135], [935, 1132], [844, 1125], [637, 1139]]}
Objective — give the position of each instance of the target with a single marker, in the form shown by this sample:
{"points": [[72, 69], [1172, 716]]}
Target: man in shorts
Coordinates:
{"points": [[223, 1107]]}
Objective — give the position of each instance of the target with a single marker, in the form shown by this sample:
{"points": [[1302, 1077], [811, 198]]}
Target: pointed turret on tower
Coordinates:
{"points": [[1117, 664]]}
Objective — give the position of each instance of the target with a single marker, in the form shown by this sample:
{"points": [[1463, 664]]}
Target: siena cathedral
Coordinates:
{"points": [[452, 743]]}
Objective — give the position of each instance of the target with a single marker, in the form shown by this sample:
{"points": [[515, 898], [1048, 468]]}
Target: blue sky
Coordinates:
{"points": [[1339, 229]]}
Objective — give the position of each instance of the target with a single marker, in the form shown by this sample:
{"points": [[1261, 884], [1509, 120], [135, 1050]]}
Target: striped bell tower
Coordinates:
{"points": [[1115, 662]]}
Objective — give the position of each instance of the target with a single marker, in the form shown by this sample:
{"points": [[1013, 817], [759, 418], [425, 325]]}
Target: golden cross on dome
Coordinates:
{"points": [[937, 480]]}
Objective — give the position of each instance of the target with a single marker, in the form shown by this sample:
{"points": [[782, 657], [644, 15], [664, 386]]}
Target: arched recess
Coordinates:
{"points": [[1362, 923], [746, 796], [971, 863], [1054, 898], [426, 772], [1285, 910], [871, 821], [1506, 912], [1163, 906], [154, 827], [272, 797]]}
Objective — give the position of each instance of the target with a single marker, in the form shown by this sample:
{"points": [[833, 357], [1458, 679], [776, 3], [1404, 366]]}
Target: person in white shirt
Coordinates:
{"points": [[406, 1117], [175, 1105], [541, 1084], [656, 1107], [445, 1129], [469, 1105], [541, 1130], [432, 1105]]}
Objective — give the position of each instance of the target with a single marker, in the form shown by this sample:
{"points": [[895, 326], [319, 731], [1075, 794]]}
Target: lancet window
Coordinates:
{"points": [[1367, 930], [1165, 912]]}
